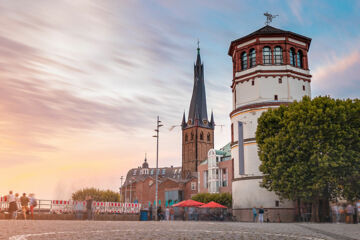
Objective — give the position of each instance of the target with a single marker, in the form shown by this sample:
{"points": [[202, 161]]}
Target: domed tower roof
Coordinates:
{"points": [[145, 164]]}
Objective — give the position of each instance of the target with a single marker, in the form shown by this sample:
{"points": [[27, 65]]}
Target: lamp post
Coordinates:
{"points": [[121, 178], [158, 125]]}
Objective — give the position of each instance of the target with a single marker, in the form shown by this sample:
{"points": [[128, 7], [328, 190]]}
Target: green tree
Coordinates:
{"points": [[97, 195], [310, 151], [221, 198]]}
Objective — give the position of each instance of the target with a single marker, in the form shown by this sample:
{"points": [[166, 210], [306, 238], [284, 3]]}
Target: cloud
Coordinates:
{"points": [[339, 76]]}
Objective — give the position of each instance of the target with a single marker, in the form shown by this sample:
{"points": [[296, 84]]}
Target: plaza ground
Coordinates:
{"points": [[51, 229]]}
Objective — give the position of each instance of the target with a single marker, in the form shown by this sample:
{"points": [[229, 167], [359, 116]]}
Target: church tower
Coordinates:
{"points": [[197, 131], [270, 68]]}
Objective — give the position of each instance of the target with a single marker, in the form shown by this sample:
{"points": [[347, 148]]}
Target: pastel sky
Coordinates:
{"points": [[81, 82]]}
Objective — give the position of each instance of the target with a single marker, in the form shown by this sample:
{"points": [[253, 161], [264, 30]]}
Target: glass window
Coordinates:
{"points": [[205, 179], [152, 172], [201, 136], [266, 56], [134, 173], [252, 58], [243, 61], [192, 136], [292, 57], [158, 171], [278, 55], [300, 59], [163, 171], [224, 177], [208, 137], [186, 137], [193, 185]]}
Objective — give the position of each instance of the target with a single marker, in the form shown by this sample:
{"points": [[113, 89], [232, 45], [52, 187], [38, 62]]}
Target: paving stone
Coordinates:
{"points": [[93, 230]]}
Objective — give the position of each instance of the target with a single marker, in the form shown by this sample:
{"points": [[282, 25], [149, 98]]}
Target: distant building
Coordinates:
{"points": [[139, 185], [270, 69], [216, 173]]}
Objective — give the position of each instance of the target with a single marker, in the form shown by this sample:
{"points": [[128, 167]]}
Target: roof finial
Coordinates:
{"points": [[145, 156], [269, 17], [198, 48]]}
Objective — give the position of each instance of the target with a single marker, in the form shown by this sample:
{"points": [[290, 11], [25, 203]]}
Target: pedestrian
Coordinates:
{"points": [[341, 208], [24, 200], [79, 210], [261, 214], [159, 213], [172, 214], [349, 213], [150, 212], [33, 204], [16, 205], [167, 214], [89, 203], [358, 210], [12, 205], [355, 216], [254, 213], [336, 213]]}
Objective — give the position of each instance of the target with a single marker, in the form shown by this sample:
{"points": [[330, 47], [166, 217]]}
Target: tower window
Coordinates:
{"points": [[252, 83], [280, 80], [192, 136], [243, 61], [266, 56], [292, 57], [201, 136], [208, 137], [186, 137], [303, 87], [275, 97], [252, 58], [278, 55], [300, 59]]}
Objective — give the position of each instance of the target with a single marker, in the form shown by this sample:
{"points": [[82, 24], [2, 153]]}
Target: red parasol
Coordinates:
{"points": [[212, 205], [188, 203]]}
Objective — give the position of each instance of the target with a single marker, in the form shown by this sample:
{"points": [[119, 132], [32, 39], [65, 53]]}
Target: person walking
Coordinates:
{"points": [[261, 214], [89, 202], [24, 200], [172, 214], [167, 214], [336, 213], [33, 204], [254, 213], [349, 210], [12, 205], [16, 205]]}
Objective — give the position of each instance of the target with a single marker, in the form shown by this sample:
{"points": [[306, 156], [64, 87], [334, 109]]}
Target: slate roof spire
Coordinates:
{"points": [[198, 111]]}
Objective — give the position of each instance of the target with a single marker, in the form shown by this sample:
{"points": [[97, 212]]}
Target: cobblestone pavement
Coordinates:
{"points": [[71, 230]]}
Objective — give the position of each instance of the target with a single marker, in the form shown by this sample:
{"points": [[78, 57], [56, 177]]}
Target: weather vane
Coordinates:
{"points": [[269, 17]]}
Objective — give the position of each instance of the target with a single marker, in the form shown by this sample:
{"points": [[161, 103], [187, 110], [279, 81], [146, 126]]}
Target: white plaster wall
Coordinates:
{"points": [[248, 193]]}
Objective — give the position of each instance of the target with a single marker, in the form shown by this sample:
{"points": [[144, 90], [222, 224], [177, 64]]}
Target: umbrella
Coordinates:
{"points": [[188, 203], [212, 205]]}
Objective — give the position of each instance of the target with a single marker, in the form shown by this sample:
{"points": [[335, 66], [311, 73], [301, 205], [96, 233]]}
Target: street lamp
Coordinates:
{"points": [[158, 125], [121, 178]]}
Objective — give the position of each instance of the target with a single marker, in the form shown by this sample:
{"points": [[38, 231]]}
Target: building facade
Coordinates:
{"points": [[139, 186], [197, 131], [216, 173], [270, 68]]}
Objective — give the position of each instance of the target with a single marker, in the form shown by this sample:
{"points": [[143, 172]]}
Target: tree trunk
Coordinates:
{"points": [[315, 210]]}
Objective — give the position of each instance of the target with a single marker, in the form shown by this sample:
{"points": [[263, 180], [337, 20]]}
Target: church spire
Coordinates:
{"points": [[198, 111]]}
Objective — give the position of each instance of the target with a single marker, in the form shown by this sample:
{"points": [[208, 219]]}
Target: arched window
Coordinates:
{"points": [[278, 58], [186, 137], [300, 59], [292, 57], [243, 61], [201, 136], [266, 56], [192, 136], [252, 58], [208, 137]]}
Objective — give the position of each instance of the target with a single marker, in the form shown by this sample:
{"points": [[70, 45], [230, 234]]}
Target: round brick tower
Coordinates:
{"points": [[270, 68]]}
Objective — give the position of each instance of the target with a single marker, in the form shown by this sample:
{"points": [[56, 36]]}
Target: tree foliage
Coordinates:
{"points": [[311, 149], [97, 195], [221, 198]]}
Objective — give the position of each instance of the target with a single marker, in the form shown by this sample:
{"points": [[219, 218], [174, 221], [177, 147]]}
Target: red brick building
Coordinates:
{"points": [[140, 184]]}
